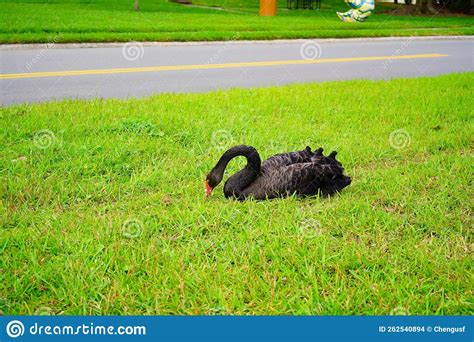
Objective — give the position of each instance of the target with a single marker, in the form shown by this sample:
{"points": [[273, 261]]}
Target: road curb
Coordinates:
{"points": [[225, 42]]}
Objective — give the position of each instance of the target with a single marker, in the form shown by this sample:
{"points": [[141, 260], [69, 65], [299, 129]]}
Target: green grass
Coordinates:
{"points": [[103, 212], [34, 21]]}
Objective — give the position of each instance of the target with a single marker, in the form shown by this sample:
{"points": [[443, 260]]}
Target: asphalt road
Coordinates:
{"points": [[42, 73]]}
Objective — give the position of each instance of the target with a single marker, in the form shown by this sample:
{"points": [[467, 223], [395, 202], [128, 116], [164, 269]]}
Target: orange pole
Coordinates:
{"points": [[268, 7]]}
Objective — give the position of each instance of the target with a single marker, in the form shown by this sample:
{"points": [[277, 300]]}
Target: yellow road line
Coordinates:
{"points": [[213, 66]]}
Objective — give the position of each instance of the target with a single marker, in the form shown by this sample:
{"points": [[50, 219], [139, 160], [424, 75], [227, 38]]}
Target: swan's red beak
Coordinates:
{"points": [[208, 188]]}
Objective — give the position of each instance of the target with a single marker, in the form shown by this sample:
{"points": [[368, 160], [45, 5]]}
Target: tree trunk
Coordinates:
{"points": [[137, 5], [425, 7], [418, 5], [430, 7]]}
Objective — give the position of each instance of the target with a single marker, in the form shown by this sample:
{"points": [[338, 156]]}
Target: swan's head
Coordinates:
{"points": [[212, 180]]}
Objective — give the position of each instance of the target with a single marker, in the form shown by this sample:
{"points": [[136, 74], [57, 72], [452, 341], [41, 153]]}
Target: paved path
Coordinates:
{"points": [[42, 73]]}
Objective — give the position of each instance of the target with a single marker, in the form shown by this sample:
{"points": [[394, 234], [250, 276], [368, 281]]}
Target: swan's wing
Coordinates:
{"points": [[305, 156], [302, 178], [313, 178], [284, 159]]}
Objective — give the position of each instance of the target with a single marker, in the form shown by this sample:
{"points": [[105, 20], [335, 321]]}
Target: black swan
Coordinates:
{"points": [[304, 173]]}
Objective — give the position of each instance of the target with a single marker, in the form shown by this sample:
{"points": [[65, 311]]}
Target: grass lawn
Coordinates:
{"points": [[103, 212], [32, 21]]}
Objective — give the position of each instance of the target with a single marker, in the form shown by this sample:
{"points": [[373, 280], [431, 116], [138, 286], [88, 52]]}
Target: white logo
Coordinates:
{"points": [[44, 138], [15, 329], [133, 51], [399, 139], [221, 140], [310, 228], [132, 228], [310, 50]]}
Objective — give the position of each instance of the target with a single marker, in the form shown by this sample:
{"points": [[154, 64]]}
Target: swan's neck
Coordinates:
{"points": [[244, 177]]}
